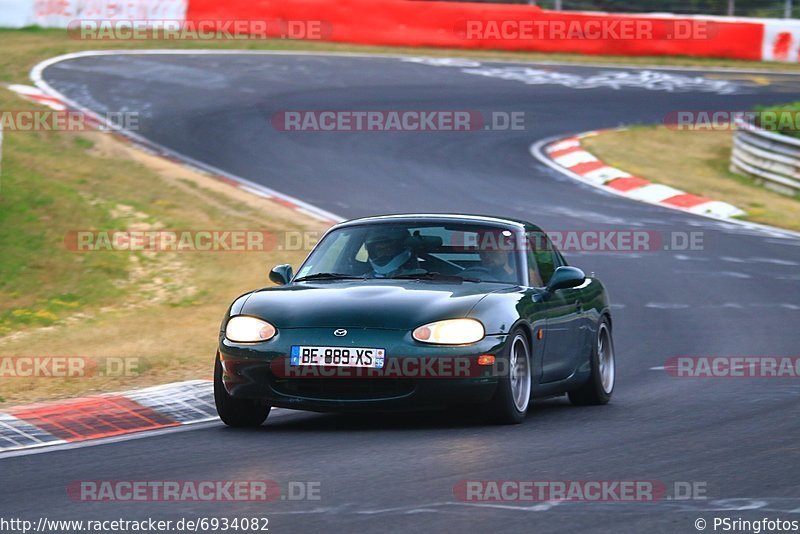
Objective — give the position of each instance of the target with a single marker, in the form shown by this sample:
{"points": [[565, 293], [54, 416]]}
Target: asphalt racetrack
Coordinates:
{"points": [[738, 296]]}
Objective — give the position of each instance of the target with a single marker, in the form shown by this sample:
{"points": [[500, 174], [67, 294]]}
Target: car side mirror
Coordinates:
{"points": [[281, 274], [566, 277]]}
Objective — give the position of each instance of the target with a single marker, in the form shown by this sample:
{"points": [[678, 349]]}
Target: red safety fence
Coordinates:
{"points": [[499, 27]]}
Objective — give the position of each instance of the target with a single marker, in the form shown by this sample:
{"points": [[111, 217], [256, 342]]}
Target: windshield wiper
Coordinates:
{"points": [[435, 276], [328, 276]]}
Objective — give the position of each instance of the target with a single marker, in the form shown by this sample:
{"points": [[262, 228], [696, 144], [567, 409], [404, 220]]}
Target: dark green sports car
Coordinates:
{"points": [[408, 312]]}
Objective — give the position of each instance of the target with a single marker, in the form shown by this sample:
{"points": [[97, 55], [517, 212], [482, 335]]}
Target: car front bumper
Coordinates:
{"points": [[415, 375]]}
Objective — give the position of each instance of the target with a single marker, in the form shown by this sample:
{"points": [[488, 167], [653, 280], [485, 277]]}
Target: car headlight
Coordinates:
{"points": [[450, 332], [243, 329]]}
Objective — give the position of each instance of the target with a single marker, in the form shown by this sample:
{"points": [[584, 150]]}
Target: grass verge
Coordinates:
{"points": [[155, 311], [784, 118], [696, 162], [158, 312]]}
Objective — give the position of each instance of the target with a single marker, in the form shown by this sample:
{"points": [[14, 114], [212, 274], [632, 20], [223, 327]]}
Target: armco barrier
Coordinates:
{"points": [[446, 24], [771, 159]]}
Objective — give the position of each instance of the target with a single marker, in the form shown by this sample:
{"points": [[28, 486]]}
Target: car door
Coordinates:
{"points": [[563, 310]]}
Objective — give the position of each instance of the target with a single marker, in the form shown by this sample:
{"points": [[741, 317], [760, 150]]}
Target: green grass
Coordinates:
{"points": [[55, 301], [42, 196], [785, 118]]}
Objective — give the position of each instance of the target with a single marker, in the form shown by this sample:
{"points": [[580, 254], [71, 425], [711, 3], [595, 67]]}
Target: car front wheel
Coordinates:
{"points": [[236, 412], [600, 386], [510, 402]]}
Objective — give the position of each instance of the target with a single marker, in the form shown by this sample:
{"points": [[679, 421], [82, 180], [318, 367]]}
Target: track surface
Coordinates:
{"points": [[738, 296]]}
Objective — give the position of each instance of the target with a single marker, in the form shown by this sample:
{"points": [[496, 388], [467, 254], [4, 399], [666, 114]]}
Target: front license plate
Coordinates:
{"points": [[338, 356]]}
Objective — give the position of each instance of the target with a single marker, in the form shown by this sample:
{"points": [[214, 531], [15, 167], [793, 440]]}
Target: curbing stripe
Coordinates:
{"points": [[686, 200], [718, 209], [107, 416], [655, 193], [569, 156], [92, 418], [557, 153], [564, 145], [605, 174], [186, 402], [575, 158], [18, 434], [37, 96], [587, 167], [626, 184]]}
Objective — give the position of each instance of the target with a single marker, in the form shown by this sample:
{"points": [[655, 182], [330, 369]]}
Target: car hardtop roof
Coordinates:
{"points": [[437, 217]]}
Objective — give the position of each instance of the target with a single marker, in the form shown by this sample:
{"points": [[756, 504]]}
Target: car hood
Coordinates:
{"points": [[386, 304]]}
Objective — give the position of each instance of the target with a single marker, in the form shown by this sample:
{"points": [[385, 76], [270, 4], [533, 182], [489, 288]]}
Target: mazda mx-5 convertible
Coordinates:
{"points": [[408, 312]]}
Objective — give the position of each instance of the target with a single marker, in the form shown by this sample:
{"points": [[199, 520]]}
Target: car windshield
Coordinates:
{"points": [[438, 251]]}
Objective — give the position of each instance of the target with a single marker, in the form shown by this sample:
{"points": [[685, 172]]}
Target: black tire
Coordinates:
{"points": [[236, 412], [595, 391], [509, 406]]}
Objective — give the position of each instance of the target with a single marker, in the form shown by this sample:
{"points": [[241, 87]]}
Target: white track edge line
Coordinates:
{"points": [[318, 53], [36, 76]]}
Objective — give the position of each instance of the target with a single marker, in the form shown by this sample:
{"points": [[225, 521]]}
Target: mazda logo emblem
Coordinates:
{"points": [[340, 332]]}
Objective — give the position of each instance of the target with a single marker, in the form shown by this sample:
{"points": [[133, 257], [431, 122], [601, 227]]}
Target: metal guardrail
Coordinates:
{"points": [[771, 159]]}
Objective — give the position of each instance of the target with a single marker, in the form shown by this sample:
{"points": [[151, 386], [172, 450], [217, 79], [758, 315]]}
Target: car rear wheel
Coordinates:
{"points": [[510, 402], [600, 386], [236, 412]]}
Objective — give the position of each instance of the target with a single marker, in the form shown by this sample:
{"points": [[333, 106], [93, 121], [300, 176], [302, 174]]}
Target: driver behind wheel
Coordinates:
{"points": [[499, 264], [497, 259], [390, 253]]}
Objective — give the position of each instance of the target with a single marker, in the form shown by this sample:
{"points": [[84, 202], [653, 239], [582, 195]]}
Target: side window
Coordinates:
{"points": [[534, 277], [544, 255]]}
